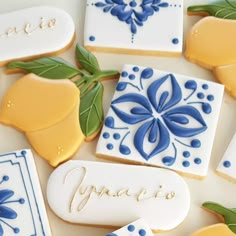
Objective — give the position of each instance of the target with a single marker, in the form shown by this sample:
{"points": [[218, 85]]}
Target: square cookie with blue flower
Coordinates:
{"points": [[161, 119], [227, 166], [137, 228], [22, 210], [145, 27]]}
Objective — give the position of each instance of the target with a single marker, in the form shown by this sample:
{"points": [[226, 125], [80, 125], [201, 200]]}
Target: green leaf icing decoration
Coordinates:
{"points": [[49, 67], [91, 90], [228, 214], [225, 9], [87, 60], [91, 110]]}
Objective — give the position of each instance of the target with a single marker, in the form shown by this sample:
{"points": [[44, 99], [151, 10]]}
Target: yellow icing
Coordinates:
{"points": [[34, 103], [211, 42], [226, 75], [59, 142], [48, 112], [214, 230]]}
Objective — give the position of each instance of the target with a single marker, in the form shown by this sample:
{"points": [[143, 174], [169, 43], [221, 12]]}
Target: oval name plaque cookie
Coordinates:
{"points": [[104, 194], [34, 32]]}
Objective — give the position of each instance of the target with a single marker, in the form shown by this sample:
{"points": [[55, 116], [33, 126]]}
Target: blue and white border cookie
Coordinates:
{"points": [[227, 165], [137, 228], [161, 119], [22, 210], [134, 26]]}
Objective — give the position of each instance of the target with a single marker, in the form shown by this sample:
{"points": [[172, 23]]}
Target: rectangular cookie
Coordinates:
{"points": [[22, 210], [138, 227], [227, 165], [106, 194], [161, 119], [135, 27]]}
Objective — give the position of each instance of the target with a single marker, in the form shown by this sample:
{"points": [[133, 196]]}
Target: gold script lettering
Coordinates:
{"points": [[87, 191], [28, 28]]}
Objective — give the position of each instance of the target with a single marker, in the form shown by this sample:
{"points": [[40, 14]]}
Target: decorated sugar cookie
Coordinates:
{"points": [[226, 229], [35, 106], [161, 119], [106, 194], [89, 77], [210, 42], [227, 165], [127, 26], [34, 32], [137, 228], [22, 210]]}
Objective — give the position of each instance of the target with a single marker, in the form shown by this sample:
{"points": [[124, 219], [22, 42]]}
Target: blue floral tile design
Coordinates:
{"points": [[162, 119], [22, 212], [126, 25], [132, 12]]}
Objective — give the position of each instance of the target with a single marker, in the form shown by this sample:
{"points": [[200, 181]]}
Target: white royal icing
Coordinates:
{"points": [[155, 26], [21, 202], [227, 165], [161, 119], [137, 228], [34, 31], [97, 193]]}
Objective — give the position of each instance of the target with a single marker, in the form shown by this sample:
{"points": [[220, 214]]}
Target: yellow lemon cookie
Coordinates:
{"points": [[35, 103], [211, 41], [228, 215], [47, 111], [214, 230]]}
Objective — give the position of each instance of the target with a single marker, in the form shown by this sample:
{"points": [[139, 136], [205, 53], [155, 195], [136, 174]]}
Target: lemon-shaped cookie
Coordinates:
{"points": [[34, 103]]}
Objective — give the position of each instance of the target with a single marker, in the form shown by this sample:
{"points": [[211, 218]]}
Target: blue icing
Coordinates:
{"points": [[210, 98], [121, 86], [186, 163], [160, 114], [186, 154], [124, 149], [111, 234], [6, 212], [92, 38], [106, 135], [227, 164], [133, 13], [116, 136], [132, 77], [205, 86], [200, 95], [142, 232], [110, 146], [191, 85], [135, 69], [168, 160], [131, 228], [175, 41], [124, 74], [197, 161]]}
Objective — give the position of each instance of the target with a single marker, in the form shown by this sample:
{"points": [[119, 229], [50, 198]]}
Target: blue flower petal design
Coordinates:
{"points": [[7, 213], [177, 128], [137, 114], [5, 194], [166, 100], [147, 130]]}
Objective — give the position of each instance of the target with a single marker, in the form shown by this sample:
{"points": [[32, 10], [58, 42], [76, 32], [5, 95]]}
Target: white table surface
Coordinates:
{"points": [[212, 188]]}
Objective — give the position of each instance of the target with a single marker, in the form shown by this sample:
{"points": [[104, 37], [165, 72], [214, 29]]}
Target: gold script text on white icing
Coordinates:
{"points": [[28, 28], [86, 192]]}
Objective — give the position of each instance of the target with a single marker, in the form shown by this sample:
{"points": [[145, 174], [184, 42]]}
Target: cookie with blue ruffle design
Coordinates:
{"points": [[161, 119], [127, 26]]}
